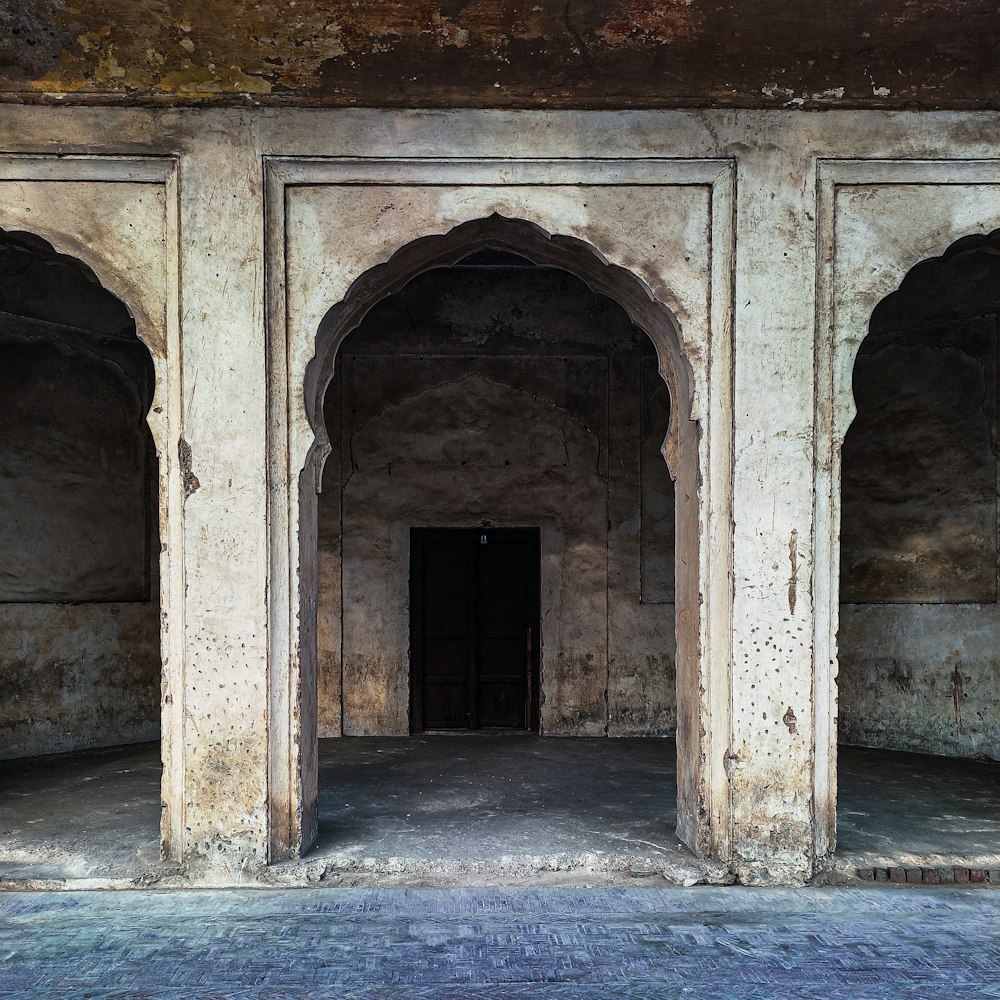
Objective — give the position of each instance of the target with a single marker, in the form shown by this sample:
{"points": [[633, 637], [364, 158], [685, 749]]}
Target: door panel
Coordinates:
{"points": [[501, 706], [473, 621], [502, 615], [497, 612], [447, 661], [447, 614], [446, 706]]}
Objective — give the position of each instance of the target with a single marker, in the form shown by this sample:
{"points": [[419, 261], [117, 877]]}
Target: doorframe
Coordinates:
{"points": [[534, 534]]}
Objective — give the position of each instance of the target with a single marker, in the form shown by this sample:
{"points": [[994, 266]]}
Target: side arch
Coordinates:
{"points": [[47, 247], [876, 225], [918, 489]]}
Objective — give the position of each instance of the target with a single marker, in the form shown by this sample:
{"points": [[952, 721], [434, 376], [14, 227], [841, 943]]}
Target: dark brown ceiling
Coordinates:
{"points": [[518, 54]]}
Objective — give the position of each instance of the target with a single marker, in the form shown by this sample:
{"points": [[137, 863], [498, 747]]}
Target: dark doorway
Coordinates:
{"points": [[474, 628]]}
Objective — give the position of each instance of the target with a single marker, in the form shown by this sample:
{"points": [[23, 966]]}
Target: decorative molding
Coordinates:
{"points": [[101, 169]]}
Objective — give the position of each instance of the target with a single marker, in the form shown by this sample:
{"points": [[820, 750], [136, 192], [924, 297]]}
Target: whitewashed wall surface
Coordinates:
{"points": [[260, 348]]}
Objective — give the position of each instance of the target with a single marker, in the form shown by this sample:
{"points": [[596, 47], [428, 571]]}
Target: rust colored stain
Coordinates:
{"points": [[504, 53], [652, 24], [957, 695], [793, 579], [790, 721]]}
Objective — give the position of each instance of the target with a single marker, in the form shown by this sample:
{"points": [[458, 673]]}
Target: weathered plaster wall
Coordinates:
{"points": [[75, 487], [78, 675], [518, 397], [829, 213], [922, 677], [642, 688], [919, 668], [79, 617], [495, 53]]}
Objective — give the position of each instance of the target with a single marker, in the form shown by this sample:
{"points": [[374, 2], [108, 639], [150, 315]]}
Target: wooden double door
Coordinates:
{"points": [[474, 617]]}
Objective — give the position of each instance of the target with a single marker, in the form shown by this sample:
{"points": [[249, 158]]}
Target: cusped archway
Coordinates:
{"points": [[918, 625], [80, 528], [529, 240], [294, 763]]}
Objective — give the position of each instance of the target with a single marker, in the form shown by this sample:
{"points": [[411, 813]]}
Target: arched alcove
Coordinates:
{"points": [[483, 395], [919, 630], [500, 235], [79, 589]]}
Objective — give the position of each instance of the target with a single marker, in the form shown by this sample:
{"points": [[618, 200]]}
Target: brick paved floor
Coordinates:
{"points": [[711, 944]]}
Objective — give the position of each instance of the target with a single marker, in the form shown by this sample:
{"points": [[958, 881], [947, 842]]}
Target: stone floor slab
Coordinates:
{"points": [[489, 810]]}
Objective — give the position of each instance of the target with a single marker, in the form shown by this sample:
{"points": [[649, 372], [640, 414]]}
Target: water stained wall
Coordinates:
{"points": [[495, 393], [79, 617], [494, 53], [919, 629]]}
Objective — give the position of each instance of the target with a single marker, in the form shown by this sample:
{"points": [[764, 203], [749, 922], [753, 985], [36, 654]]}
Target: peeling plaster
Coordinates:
{"points": [[191, 483], [790, 721], [793, 561]]}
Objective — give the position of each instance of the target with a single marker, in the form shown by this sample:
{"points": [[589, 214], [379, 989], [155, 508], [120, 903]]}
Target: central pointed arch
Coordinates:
{"points": [[294, 767]]}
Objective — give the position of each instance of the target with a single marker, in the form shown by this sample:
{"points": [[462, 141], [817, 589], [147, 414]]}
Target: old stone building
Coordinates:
{"points": [[624, 371]]}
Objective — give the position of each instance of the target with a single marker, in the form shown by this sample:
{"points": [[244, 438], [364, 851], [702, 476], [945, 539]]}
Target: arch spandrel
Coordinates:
{"points": [[119, 239], [355, 228]]}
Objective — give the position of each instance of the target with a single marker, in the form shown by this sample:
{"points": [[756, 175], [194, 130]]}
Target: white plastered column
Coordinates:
{"points": [[225, 433], [770, 763]]}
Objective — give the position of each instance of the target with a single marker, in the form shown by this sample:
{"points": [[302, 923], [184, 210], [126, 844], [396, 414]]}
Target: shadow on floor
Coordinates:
{"points": [[87, 814], [486, 797], [897, 808]]}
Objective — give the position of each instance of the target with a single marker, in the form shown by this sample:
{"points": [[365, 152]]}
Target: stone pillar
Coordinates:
{"points": [[222, 453], [771, 757]]}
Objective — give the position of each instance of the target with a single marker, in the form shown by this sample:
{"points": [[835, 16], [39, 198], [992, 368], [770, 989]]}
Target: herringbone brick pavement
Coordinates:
{"points": [[729, 944]]}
